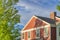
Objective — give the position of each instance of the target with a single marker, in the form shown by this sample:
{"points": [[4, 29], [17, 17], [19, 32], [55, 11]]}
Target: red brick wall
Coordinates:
{"points": [[33, 34], [34, 23], [39, 23], [53, 33], [42, 33], [31, 24], [25, 36]]}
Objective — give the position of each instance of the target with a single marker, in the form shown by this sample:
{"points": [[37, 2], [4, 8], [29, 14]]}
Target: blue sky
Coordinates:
{"points": [[28, 8]]}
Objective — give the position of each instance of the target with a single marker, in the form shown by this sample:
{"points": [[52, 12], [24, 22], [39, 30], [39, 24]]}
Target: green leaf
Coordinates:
{"points": [[58, 7], [8, 18]]}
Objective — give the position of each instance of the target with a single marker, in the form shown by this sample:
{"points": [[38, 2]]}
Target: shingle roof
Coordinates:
{"points": [[51, 21]]}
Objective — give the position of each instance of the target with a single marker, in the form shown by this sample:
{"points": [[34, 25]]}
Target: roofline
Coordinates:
{"points": [[42, 20], [28, 22], [57, 17], [31, 19], [57, 22]]}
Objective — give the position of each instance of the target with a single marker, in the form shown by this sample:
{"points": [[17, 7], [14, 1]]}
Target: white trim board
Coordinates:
{"points": [[35, 28]]}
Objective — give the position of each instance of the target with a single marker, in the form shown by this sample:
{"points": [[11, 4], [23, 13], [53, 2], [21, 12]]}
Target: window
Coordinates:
{"points": [[45, 32], [59, 31], [38, 33], [22, 35], [28, 34]]}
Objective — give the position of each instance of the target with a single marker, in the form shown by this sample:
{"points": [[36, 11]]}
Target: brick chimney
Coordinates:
{"points": [[52, 15], [53, 26]]}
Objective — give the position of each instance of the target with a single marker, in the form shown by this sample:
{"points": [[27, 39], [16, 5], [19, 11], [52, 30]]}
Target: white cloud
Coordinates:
{"points": [[31, 10], [58, 0]]}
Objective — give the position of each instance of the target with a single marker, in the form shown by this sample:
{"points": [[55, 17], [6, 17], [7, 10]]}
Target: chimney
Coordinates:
{"points": [[52, 15]]}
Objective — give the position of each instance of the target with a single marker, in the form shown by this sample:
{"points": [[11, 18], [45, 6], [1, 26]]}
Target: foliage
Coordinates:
{"points": [[58, 7], [8, 18]]}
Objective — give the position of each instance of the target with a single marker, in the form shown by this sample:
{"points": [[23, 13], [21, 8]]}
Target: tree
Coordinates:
{"points": [[58, 6], [8, 18]]}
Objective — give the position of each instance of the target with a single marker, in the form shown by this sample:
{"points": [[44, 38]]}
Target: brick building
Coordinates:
{"points": [[42, 28]]}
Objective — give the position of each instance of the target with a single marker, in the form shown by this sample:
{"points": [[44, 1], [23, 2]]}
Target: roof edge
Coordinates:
{"points": [[31, 19], [28, 22], [42, 20]]}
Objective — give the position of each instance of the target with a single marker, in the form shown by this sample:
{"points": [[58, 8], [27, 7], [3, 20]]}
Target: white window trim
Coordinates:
{"points": [[21, 37], [30, 35], [46, 35], [34, 29], [39, 33], [29, 38], [58, 37]]}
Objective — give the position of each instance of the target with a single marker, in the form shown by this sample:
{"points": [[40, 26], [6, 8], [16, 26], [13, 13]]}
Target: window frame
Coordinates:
{"points": [[45, 31], [29, 35], [59, 31], [29, 38], [37, 30], [22, 36]]}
